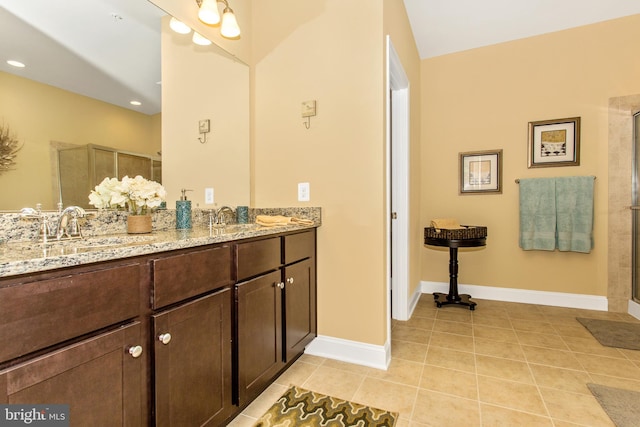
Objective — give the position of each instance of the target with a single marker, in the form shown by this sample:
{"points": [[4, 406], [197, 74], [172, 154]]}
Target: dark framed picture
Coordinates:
{"points": [[554, 143], [481, 172]]}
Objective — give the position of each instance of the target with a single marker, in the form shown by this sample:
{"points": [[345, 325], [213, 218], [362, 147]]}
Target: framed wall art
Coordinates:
{"points": [[554, 143], [481, 172]]}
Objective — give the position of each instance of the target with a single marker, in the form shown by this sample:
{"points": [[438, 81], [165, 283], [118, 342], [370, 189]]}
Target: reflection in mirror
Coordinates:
{"points": [[46, 118]]}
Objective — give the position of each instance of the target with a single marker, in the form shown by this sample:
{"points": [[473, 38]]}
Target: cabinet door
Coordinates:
{"points": [[259, 329], [192, 353], [300, 307], [101, 381]]}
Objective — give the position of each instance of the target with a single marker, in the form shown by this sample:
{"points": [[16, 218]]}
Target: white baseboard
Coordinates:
{"points": [[374, 356], [557, 299], [634, 309]]}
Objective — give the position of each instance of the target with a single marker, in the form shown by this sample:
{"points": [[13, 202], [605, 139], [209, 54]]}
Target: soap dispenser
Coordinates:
{"points": [[183, 211]]}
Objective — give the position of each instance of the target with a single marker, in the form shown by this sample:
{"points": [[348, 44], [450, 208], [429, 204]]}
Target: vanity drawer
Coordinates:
{"points": [[258, 257], [178, 277], [35, 315], [299, 246]]}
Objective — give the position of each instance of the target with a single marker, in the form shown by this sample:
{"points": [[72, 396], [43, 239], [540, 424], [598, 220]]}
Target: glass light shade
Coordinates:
{"points": [[208, 12], [179, 26], [229, 27], [200, 39]]}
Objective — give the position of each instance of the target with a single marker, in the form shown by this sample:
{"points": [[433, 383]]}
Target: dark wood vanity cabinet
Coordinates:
{"points": [[71, 337], [191, 333], [275, 300]]}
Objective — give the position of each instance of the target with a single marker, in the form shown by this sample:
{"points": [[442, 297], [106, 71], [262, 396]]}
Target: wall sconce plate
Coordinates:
{"points": [[204, 126]]}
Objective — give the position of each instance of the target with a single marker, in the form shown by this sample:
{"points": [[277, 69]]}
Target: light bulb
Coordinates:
{"points": [[200, 39], [229, 26], [208, 12], [179, 26]]}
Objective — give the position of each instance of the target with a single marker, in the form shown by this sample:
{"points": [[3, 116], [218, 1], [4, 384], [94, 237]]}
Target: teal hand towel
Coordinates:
{"points": [[574, 213], [538, 214]]}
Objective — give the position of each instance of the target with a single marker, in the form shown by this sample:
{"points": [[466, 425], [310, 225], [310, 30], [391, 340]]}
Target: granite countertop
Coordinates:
{"points": [[29, 256]]}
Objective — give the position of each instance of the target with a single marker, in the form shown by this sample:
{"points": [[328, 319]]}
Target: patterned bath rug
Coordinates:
{"points": [[303, 408], [621, 405], [612, 333]]}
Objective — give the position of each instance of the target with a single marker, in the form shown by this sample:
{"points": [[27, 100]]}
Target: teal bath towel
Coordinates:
{"points": [[574, 213], [538, 214]]}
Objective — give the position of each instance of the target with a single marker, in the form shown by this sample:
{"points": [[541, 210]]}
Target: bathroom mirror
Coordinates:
{"points": [[45, 118]]}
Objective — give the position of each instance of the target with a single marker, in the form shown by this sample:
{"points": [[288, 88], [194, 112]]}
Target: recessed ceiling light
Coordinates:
{"points": [[135, 103], [16, 63]]}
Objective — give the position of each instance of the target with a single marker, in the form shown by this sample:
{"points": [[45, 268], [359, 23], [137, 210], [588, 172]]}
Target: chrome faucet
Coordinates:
{"points": [[67, 228], [219, 215], [45, 233]]}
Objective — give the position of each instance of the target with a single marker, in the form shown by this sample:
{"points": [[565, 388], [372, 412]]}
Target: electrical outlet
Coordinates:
{"points": [[303, 192], [208, 196]]}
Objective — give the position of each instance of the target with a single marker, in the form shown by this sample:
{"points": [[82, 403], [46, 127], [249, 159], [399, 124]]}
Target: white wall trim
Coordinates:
{"points": [[634, 309], [557, 299], [373, 356]]}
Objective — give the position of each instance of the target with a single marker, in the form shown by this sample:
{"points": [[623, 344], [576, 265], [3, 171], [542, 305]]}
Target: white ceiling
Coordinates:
{"points": [[447, 26], [110, 49]]}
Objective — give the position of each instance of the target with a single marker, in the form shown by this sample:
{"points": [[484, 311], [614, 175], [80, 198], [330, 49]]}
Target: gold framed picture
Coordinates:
{"points": [[554, 143], [481, 172]]}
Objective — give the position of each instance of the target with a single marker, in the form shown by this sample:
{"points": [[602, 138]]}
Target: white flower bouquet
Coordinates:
{"points": [[138, 195]]}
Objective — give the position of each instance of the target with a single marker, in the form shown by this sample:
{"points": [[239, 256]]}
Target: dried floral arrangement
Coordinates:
{"points": [[9, 147]]}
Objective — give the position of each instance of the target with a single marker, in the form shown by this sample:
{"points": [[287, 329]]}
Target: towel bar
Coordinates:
{"points": [[518, 180]]}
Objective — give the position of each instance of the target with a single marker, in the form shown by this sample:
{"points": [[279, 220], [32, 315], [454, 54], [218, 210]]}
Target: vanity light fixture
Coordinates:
{"points": [[136, 103], [199, 39], [209, 14]]}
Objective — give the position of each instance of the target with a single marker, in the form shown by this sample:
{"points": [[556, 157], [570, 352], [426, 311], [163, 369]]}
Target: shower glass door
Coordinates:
{"points": [[636, 208]]}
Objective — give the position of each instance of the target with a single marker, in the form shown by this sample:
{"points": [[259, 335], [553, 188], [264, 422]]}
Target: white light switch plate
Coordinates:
{"points": [[303, 192], [208, 196]]}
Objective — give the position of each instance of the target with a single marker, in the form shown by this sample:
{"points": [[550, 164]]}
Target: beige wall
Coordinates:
{"points": [[331, 51], [39, 114], [483, 99], [200, 84]]}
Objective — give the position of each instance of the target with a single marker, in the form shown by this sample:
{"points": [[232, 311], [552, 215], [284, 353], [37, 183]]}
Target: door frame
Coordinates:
{"points": [[397, 181]]}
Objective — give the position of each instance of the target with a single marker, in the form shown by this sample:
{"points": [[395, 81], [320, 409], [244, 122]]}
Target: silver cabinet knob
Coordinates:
{"points": [[280, 285], [290, 280], [164, 338], [135, 351]]}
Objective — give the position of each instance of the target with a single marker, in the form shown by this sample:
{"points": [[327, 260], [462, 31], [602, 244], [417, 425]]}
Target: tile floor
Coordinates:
{"points": [[504, 364]]}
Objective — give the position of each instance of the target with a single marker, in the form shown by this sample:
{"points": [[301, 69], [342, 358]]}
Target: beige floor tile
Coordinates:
{"points": [[571, 380], [420, 322], [591, 346], [408, 351], [631, 354], [400, 371], [509, 394], [242, 421], [297, 374], [499, 349], [423, 310], [459, 328], [551, 357], [385, 395], [334, 382], [492, 320], [449, 381], [541, 340], [442, 410], [453, 359], [405, 333], [539, 327], [581, 409], [454, 314], [452, 341], [497, 416], [314, 360], [505, 369], [572, 330], [495, 334], [617, 382], [609, 366], [349, 367]]}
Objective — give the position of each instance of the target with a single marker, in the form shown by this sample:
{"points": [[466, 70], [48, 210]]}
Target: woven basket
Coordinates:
{"points": [[469, 232], [139, 224]]}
